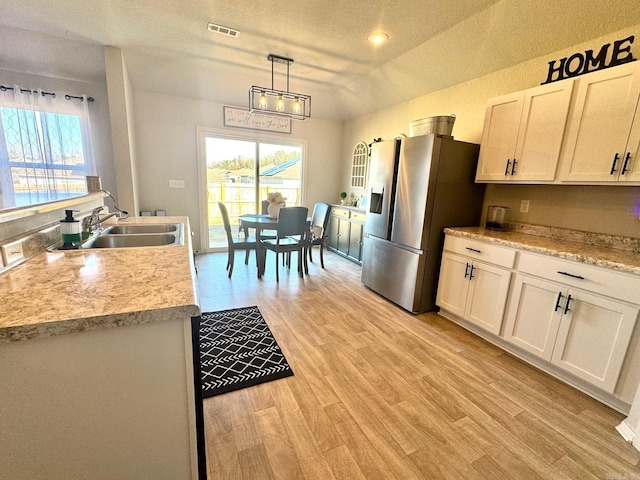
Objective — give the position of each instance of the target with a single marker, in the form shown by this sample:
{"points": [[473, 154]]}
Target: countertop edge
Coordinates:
{"points": [[348, 207], [102, 322], [564, 253]]}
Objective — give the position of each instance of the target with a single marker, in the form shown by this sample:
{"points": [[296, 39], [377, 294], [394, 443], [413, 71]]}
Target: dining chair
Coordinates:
{"points": [[318, 229], [291, 232], [235, 243]]}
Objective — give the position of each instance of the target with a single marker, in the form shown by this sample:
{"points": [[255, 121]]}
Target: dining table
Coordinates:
{"points": [[259, 222]]}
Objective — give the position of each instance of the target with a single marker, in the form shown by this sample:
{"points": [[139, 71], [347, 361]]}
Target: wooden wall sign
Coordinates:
{"points": [[581, 63], [243, 118]]}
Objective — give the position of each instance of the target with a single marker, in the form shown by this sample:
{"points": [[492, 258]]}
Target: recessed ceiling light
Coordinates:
{"points": [[378, 38]]}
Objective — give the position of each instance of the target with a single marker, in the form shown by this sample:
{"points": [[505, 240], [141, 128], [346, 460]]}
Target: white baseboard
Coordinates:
{"points": [[625, 430]]}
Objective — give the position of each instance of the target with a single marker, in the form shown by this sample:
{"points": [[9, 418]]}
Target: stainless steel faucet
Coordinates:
{"points": [[93, 222]]}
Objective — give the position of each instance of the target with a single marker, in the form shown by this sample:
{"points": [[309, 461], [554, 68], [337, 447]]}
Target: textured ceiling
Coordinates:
{"points": [[433, 43]]}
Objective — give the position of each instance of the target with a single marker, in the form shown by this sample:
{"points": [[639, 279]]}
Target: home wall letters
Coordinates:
{"points": [[581, 63]]}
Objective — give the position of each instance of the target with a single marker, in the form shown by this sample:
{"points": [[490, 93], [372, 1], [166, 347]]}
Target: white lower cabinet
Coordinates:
{"points": [[593, 338], [473, 290], [581, 332], [577, 317], [534, 315]]}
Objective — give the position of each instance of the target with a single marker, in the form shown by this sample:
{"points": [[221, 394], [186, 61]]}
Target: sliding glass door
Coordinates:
{"points": [[240, 172]]}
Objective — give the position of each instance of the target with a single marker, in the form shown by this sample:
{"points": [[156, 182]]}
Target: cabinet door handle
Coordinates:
{"points": [[506, 170], [566, 307], [471, 273], [558, 301], [513, 166], [473, 250], [626, 163], [571, 275], [466, 271], [613, 165]]}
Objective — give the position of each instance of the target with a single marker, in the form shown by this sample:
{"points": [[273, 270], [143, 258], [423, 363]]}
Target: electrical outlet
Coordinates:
{"points": [[524, 206], [176, 183], [12, 253]]}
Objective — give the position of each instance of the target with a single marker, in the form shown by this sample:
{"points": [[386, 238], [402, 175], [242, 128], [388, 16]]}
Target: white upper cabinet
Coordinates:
{"points": [[630, 169], [602, 137], [523, 134]]}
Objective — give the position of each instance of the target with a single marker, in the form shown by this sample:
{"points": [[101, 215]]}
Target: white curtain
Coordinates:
{"points": [[45, 146]]}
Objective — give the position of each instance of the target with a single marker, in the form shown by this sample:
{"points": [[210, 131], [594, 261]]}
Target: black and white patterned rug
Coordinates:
{"points": [[238, 350]]}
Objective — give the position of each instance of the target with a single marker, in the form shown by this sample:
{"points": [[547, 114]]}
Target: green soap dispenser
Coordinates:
{"points": [[71, 231]]}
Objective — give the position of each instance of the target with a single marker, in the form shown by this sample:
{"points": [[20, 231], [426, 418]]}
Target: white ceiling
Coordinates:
{"points": [[433, 43]]}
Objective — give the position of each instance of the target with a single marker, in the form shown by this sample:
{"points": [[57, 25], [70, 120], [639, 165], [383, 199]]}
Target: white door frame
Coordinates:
{"points": [[252, 135]]}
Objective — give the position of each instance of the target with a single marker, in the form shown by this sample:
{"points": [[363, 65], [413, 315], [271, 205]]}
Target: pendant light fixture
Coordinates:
{"points": [[278, 102]]}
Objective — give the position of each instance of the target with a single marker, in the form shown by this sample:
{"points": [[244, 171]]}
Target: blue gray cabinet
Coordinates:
{"points": [[346, 230]]}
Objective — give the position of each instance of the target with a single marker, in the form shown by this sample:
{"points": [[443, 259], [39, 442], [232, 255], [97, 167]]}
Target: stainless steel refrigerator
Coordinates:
{"points": [[417, 187]]}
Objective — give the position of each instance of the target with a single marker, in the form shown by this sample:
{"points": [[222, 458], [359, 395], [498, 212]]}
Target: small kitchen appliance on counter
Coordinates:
{"points": [[497, 218]]}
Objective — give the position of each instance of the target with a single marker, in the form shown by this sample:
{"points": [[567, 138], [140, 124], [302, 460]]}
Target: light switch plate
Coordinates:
{"points": [[176, 183], [12, 253], [524, 206]]}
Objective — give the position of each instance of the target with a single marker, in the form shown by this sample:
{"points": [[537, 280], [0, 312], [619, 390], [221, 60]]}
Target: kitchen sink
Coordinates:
{"points": [[125, 241], [134, 236], [136, 229]]}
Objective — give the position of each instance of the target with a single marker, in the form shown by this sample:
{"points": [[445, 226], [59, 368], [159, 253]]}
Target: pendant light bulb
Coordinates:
{"points": [[280, 104], [262, 101], [296, 105]]}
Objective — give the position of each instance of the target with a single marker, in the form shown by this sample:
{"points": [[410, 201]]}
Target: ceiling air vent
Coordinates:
{"points": [[230, 32]]}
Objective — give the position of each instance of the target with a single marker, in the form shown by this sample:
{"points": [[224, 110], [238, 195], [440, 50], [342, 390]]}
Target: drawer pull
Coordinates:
{"points": [[558, 301], [571, 275], [473, 250], [566, 307]]}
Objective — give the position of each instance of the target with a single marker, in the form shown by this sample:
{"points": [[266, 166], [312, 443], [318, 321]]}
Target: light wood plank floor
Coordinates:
{"points": [[379, 393]]}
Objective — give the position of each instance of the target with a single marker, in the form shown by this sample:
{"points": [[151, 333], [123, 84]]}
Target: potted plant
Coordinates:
{"points": [[343, 195]]}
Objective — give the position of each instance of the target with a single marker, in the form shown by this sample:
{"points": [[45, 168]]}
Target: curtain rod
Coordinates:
{"points": [[26, 90]]}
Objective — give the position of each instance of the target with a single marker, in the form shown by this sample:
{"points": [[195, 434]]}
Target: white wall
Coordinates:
{"points": [[166, 149], [602, 209], [123, 133]]}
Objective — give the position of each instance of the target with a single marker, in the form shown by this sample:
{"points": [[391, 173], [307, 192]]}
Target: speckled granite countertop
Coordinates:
{"points": [[61, 292], [602, 256]]}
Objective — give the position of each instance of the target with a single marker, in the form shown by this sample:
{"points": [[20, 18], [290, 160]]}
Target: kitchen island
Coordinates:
{"points": [[96, 363]]}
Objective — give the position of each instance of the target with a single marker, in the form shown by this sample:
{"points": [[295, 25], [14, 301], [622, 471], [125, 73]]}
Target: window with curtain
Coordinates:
{"points": [[45, 146]]}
